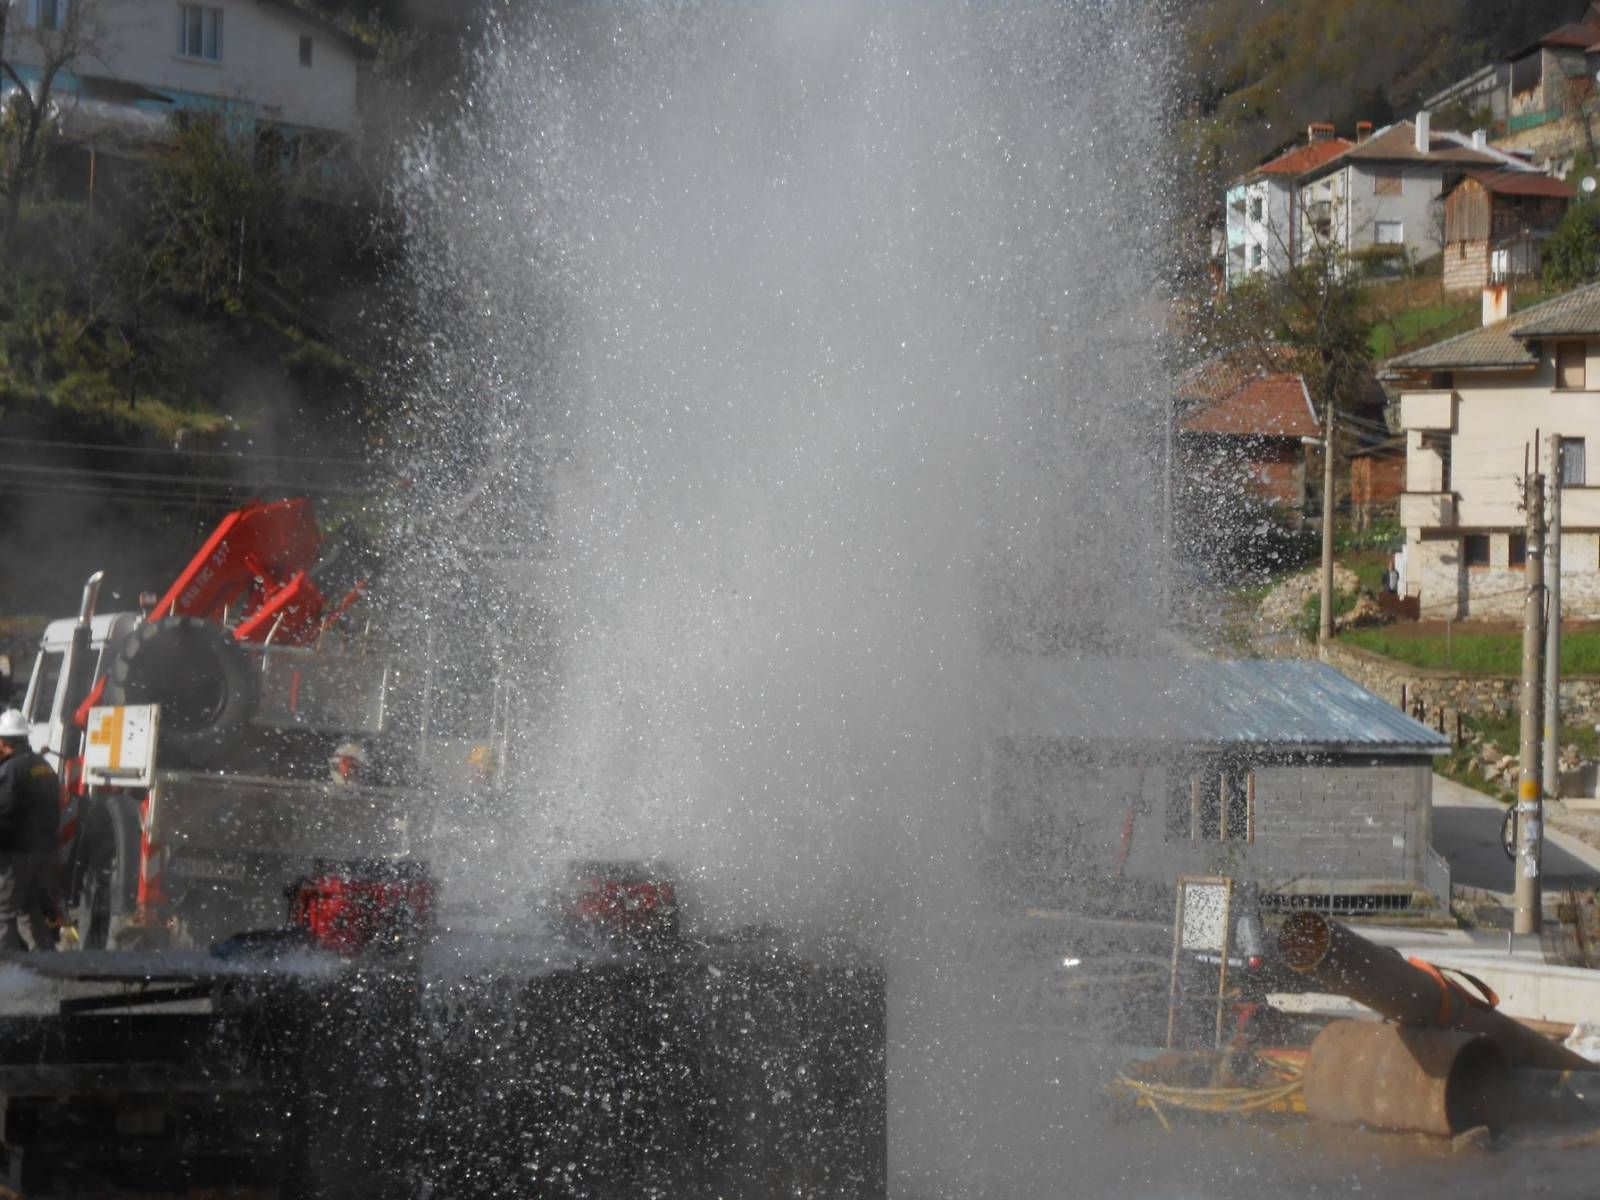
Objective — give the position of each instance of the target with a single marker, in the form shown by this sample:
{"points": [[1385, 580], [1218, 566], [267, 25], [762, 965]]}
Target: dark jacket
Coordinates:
{"points": [[30, 805]]}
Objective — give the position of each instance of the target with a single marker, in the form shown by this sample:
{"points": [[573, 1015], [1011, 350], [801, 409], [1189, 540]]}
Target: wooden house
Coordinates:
{"points": [[1494, 223]]}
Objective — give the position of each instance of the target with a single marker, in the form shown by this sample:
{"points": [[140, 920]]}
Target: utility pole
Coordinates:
{"points": [[1551, 774], [1325, 632], [1526, 916]]}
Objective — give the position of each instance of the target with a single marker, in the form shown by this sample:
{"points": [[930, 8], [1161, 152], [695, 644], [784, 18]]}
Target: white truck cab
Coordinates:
{"points": [[46, 698]]}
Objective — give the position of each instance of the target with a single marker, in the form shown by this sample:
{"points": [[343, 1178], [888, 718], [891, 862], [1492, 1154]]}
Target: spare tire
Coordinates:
{"points": [[200, 677]]}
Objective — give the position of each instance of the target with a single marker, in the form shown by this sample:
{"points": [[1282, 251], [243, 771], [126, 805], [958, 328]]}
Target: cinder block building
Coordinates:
{"points": [[1283, 773]]}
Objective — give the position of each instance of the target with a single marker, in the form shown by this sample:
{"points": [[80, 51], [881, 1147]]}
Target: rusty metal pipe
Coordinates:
{"points": [[1438, 1081], [1349, 965]]}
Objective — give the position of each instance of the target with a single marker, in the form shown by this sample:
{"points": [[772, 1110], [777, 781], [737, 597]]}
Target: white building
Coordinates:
{"points": [[254, 62], [1381, 198], [1473, 407], [1260, 209]]}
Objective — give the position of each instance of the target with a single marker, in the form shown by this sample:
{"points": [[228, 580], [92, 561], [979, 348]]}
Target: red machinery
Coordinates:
{"points": [[233, 647]]}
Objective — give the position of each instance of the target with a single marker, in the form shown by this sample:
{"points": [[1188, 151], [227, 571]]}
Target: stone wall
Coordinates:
{"points": [[1466, 266], [1472, 695]]}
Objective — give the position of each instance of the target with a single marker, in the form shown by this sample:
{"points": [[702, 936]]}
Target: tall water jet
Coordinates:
{"points": [[804, 355]]}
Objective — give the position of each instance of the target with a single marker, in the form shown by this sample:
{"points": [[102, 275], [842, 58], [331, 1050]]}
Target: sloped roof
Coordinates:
{"points": [[1266, 705], [1523, 183], [1398, 143], [1268, 406], [1503, 344], [1305, 158], [1574, 35], [1223, 374]]}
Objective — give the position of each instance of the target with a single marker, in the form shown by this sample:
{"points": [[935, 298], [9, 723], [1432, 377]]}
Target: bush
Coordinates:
{"points": [[1572, 253]]}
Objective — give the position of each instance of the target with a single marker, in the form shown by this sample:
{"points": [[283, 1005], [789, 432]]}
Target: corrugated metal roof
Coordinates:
{"points": [[1573, 314], [1264, 705]]}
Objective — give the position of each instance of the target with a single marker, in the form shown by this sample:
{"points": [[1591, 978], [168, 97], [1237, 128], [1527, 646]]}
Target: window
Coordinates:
{"points": [[1570, 373], [1387, 183], [1517, 550], [49, 15], [1256, 208], [47, 673], [1475, 550], [1391, 233], [1572, 466], [305, 52], [200, 32], [1212, 805]]}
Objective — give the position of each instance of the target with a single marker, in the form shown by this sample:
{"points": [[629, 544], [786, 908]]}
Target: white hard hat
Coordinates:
{"points": [[13, 724]]}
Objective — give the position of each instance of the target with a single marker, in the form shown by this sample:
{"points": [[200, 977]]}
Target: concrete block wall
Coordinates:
{"points": [[1356, 824]]}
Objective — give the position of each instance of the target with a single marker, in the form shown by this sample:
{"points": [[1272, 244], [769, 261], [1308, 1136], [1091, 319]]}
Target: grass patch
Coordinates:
{"points": [[1475, 653], [1422, 325]]}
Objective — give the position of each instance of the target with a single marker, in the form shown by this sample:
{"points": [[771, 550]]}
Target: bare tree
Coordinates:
{"points": [[43, 38]]}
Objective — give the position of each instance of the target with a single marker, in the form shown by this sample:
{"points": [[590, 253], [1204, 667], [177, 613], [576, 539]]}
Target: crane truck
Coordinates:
{"points": [[193, 736]]}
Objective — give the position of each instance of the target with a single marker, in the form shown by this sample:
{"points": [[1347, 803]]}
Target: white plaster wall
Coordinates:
{"points": [[1419, 188], [260, 59]]}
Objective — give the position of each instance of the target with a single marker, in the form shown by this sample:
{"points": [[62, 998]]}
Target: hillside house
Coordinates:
{"points": [[1283, 773], [1248, 432], [1381, 198], [1471, 407], [1495, 223], [256, 63], [1553, 75], [1260, 216]]}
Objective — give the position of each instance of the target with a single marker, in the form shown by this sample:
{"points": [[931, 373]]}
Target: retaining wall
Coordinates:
{"points": [[1474, 695]]}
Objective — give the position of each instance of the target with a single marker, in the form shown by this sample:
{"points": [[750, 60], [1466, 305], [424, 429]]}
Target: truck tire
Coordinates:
{"points": [[107, 875], [199, 676]]}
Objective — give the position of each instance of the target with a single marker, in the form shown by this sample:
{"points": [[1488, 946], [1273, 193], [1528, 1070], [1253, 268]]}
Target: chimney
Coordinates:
{"points": [[1363, 131], [1424, 133], [1496, 303], [1480, 139], [1318, 131]]}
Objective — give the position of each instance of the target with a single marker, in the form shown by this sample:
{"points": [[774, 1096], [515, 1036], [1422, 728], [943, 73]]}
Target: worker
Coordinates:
{"points": [[30, 815]]}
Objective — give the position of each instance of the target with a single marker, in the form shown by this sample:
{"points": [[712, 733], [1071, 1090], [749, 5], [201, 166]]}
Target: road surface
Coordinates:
{"points": [[1466, 831]]}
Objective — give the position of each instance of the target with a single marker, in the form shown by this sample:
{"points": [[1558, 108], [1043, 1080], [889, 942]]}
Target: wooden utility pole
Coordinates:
{"points": [[1551, 772], [1325, 631], [1526, 915]]}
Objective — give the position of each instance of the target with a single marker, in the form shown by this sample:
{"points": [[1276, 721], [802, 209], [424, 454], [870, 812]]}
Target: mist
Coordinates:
{"points": [[809, 355]]}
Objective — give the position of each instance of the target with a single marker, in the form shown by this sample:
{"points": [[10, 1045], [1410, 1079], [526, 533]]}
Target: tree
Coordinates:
{"points": [[33, 55], [1572, 253]]}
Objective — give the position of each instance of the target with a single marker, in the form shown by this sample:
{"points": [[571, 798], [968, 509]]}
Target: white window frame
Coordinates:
{"points": [[1398, 228], [210, 15]]}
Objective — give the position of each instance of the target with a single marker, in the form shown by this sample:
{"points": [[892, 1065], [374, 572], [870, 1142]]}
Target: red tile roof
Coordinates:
{"points": [[1523, 183], [1268, 406], [1304, 158]]}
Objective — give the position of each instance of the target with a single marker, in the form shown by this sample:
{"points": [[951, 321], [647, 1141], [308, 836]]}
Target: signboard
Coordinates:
{"points": [[1202, 922], [120, 746]]}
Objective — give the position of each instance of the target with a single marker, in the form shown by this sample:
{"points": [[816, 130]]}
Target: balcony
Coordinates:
{"points": [[1429, 412], [1428, 510]]}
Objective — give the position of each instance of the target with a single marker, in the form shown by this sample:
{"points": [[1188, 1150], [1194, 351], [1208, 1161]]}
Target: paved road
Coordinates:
{"points": [[1466, 830]]}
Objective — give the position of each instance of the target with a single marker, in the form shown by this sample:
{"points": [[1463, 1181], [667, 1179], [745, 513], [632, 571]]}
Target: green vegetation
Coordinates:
{"points": [[1473, 652], [1310, 621], [1571, 255], [1418, 326]]}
